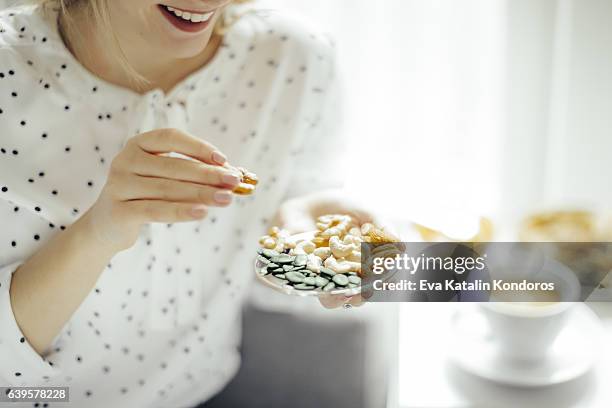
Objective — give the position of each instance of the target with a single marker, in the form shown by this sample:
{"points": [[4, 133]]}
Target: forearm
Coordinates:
{"points": [[49, 287], [142, 187]]}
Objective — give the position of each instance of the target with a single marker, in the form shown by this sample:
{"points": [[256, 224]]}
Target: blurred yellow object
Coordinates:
{"points": [[560, 226], [606, 228], [579, 239], [484, 234]]}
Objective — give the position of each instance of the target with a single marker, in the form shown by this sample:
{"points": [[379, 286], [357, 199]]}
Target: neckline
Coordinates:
{"points": [[58, 44]]}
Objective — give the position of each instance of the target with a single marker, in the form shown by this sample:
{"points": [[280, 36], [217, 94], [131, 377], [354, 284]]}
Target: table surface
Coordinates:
{"points": [[426, 379]]}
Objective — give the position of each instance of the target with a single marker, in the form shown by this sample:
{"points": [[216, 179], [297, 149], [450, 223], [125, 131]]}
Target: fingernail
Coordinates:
{"points": [[223, 197], [231, 179], [219, 158], [198, 212]]}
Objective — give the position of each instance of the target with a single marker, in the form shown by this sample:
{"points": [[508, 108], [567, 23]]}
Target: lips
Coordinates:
{"points": [[186, 20]]}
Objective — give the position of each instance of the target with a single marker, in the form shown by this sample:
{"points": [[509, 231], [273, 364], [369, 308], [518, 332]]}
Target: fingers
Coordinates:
{"points": [[185, 170], [332, 301], [173, 140], [165, 212], [356, 301], [337, 301], [150, 188]]}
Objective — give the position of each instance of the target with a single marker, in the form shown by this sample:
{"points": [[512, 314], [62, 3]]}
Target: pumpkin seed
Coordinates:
{"points": [[354, 279], [300, 260], [292, 271], [310, 281], [303, 286], [283, 259], [295, 277], [340, 280], [329, 287], [268, 253], [328, 272]]}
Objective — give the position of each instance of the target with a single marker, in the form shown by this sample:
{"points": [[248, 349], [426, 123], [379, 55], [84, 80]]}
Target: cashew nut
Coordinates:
{"points": [[337, 243], [355, 231], [277, 239], [342, 266], [304, 248], [327, 219], [340, 250], [352, 239], [314, 263], [339, 229], [280, 244], [332, 225], [323, 252], [322, 226], [366, 228], [354, 256], [247, 183], [267, 242], [321, 242], [378, 235]]}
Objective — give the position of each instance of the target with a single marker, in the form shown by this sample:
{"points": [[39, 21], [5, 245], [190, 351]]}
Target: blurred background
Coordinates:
{"points": [[454, 109], [480, 106]]}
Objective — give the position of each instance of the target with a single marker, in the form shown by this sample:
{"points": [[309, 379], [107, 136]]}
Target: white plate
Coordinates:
{"points": [[571, 355]]}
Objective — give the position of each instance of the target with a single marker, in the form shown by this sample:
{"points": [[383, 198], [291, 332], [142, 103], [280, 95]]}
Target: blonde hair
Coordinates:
{"points": [[98, 11]]}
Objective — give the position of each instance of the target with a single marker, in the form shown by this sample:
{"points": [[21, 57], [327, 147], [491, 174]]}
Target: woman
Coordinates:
{"points": [[122, 264]]}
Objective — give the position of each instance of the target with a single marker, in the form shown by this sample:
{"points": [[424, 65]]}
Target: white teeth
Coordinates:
{"points": [[188, 16]]}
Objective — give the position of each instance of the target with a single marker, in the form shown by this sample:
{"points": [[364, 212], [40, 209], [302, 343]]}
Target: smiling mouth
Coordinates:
{"points": [[186, 20]]}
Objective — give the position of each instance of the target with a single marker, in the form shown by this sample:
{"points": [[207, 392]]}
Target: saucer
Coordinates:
{"points": [[571, 355]]}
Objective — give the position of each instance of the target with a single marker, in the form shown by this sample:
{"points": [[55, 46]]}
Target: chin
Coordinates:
{"points": [[182, 49]]}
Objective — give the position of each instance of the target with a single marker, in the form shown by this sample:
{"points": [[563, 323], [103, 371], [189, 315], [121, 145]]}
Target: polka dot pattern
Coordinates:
{"points": [[161, 326]]}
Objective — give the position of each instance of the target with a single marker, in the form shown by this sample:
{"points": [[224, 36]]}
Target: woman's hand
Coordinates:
{"points": [[145, 186], [299, 215]]}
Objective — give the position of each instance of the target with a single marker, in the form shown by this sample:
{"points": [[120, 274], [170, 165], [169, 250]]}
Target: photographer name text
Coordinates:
{"points": [[454, 285]]}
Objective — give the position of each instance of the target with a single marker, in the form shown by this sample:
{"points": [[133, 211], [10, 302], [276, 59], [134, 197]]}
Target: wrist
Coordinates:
{"points": [[104, 240]]}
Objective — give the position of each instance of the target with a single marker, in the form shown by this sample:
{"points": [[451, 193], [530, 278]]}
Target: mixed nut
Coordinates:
{"points": [[330, 260], [248, 182]]}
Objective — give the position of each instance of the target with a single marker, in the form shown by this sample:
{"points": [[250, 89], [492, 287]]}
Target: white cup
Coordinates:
{"points": [[526, 330]]}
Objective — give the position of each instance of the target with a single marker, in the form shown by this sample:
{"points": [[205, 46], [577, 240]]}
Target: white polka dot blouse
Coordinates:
{"points": [[162, 325]]}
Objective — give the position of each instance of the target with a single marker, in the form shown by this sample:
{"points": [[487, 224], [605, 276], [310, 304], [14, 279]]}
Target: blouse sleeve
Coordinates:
{"points": [[320, 158], [22, 230], [20, 364]]}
